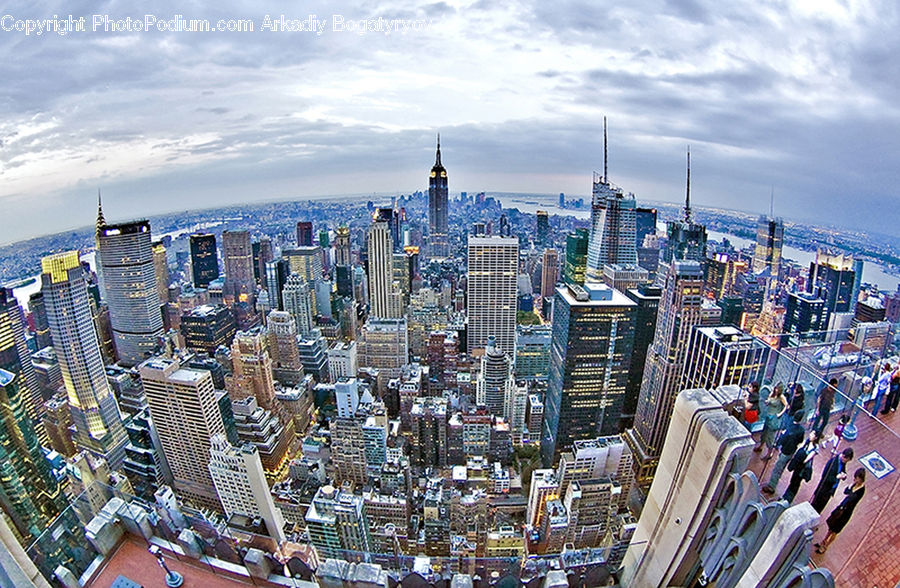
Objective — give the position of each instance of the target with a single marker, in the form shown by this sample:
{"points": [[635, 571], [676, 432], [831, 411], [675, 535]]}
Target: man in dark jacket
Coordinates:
{"points": [[787, 444], [835, 471]]}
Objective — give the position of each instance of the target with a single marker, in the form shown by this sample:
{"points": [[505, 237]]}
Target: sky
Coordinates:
{"points": [[799, 97]]}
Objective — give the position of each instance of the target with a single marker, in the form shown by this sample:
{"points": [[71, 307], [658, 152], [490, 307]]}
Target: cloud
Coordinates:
{"points": [[766, 93]]}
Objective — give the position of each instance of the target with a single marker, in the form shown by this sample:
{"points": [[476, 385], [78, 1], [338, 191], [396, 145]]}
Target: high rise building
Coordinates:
{"points": [[252, 373], [491, 292], [645, 224], [805, 315], [549, 272], [161, 269], [831, 278], [647, 299], [343, 361], [31, 495], [204, 259], [385, 297], [263, 429], [576, 256], [686, 238], [207, 327], [299, 301], [237, 252], [39, 317], [145, 464], [438, 209], [263, 254], [95, 414], [305, 261], [533, 352], [495, 379], [185, 410], [282, 334], [725, 355], [384, 344], [337, 525], [769, 242], [277, 273], [15, 358], [590, 355], [126, 259], [304, 234], [542, 235], [342, 246], [241, 484], [680, 310]]}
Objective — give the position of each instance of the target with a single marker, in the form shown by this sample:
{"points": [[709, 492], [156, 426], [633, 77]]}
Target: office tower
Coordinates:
{"points": [[343, 361], [384, 292], [126, 386], [282, 334], [15, 358], [804, 315], [831, 278], [533, 352], [342, 246], [720, 356], [647, 298], [680, 310], [645, 224], [623, 277], [429, 431], [504, 226], [298, 301], [39, 317], [207, 327], [185, 411], [145, 465], [515, 406], [95, 414], [593, 339], [494, 379], [237, 253], [263, 429], [204, 259], [686, 238], [31, 496], [346, 395], [769, 241], [338, 526], [126, 259], [491, 292], [305, 261], [438, 209], [549, 272], [252, 374], [277, 273], [304, 234], [161, 269], [613, 223], [576, 256], [313, 350], [263, 254], [241, 484], [542, 235], [384, 344], [348, 450]]}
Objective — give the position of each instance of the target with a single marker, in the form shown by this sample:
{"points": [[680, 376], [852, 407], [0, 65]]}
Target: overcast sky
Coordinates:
{"points": [[802, 96]]}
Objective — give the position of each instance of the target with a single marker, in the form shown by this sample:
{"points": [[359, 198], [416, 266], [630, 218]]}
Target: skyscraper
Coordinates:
{"points": [[237, 251], [647, 299], [39, 316], [686, 239], [15, 358], [613, 224], [186, 413], [304, 234], [277, 272], [721, 356], [342, 246], [769, 241], [542, 235], [590, 354], [645, 224], [161, 269], [680, 310], [549, 272], [31, 495], [384, 293], [576, 256], [298, 301], [438, 212], [126, 260], [493, 265], [282, 335], [95, 414], [204, 259], [831, 278], [495, 379]]}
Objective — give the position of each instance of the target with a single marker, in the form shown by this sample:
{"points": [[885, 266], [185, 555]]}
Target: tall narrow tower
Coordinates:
{"points": [[98, 424], [687, 239], [438, 243], [384, 294], [491, 292]]}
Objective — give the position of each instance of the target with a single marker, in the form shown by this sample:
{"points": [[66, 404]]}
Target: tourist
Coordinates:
{"points": [[801, 466], [838, 433], [751, 406], [776, 406], [824, 405], [839, 517], [796, 402], [835, 471], [787, 444], [884, 384], [890, 405]]}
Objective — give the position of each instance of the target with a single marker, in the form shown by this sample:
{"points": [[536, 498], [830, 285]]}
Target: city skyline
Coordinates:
{"points": [[762, 103]]}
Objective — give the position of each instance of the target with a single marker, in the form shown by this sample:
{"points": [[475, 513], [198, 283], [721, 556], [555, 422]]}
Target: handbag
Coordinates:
{"points": [[751, 416]]}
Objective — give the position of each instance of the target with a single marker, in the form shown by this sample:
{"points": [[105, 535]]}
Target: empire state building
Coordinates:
{"points": [[438, 244]]}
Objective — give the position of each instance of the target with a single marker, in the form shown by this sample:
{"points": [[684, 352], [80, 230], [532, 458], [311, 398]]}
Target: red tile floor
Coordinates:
{"points": [[865, 554]]}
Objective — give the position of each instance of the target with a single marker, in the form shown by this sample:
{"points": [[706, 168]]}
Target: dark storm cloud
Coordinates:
{"points": [[766, 94]]}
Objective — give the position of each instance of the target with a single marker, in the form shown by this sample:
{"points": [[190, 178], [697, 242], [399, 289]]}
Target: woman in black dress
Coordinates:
{"points": [[839, 517]]}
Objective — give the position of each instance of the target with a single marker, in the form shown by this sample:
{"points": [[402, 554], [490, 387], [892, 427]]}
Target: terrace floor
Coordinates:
{"points": [[865, 553]]}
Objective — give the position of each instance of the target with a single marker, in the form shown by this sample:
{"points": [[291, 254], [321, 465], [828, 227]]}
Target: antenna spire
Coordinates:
{"points": [[437, 161], [687, 196], [605, 155], [772, 203], [101, 222]]}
